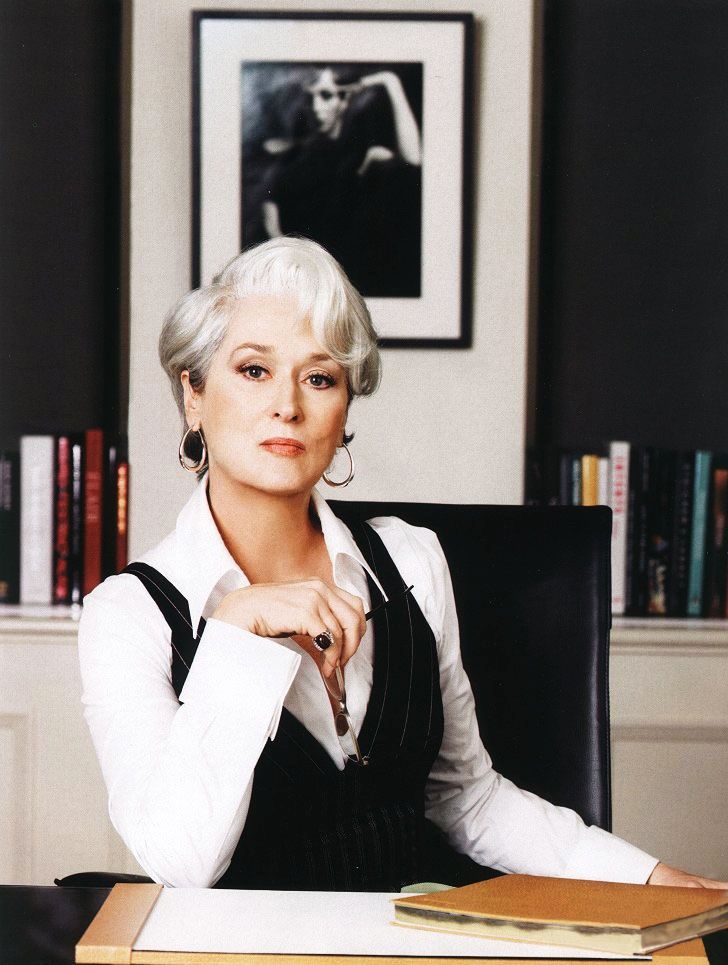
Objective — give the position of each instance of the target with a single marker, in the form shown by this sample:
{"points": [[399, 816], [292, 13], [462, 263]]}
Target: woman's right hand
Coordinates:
{"points": [[302, 609]]}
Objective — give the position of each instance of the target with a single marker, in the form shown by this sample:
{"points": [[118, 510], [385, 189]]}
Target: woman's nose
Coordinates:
{"points": [[286, 406]]}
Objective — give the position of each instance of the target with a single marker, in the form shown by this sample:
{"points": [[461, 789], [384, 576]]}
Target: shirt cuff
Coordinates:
{"points": [[606, 857], [237, 672]]}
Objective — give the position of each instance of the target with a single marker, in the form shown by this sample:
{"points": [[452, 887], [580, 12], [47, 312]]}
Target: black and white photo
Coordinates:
{"points": [[353, 129], [333, 151]]}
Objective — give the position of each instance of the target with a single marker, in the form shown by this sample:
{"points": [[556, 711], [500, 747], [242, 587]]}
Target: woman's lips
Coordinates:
{"points": [[284, 447]]}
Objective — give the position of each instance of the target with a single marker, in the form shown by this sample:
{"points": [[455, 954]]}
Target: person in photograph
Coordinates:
{"points": [[254, 728], [351, 180]]}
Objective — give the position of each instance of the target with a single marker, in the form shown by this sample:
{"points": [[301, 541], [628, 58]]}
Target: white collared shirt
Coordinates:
{"points": [[180, 777]]}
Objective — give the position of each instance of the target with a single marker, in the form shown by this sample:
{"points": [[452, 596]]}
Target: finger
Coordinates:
{"points": [[325, 619], [357, 619], [712, 883], [349, 611]]}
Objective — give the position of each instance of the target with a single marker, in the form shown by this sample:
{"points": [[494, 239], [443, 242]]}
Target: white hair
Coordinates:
{"points": [[195, 328]]}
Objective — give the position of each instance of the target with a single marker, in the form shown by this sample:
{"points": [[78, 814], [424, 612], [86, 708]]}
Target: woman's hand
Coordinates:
{"points": [[665, 875], [302, 609]]}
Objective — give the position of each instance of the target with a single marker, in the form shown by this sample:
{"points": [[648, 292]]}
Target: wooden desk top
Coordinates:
{"points": [[41, 925]]}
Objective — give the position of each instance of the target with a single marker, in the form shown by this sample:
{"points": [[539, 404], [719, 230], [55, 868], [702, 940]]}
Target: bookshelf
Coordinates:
{"points": [[633, 209]]}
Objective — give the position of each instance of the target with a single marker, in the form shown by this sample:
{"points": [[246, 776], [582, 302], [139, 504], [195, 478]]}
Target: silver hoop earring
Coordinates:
{"points": [[184, 459], [343, 482]]}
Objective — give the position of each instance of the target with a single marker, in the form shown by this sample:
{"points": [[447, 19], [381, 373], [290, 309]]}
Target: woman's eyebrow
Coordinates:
{"points": [[253, 347], [270, 350]]}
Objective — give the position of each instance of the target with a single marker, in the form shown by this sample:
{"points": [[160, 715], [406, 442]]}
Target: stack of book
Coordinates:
{"points": [[604, 916], [63, 516], [669, 522]]}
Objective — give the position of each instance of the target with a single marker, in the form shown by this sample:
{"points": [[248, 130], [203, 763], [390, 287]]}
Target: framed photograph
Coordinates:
{"points": [[354, 129]]}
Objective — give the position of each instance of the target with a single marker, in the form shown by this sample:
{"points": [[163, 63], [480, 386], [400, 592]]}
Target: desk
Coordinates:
{"points": [[41, 925]]}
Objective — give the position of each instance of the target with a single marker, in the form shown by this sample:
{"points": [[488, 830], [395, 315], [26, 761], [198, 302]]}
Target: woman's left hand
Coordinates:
{"points": [[665, 875]]}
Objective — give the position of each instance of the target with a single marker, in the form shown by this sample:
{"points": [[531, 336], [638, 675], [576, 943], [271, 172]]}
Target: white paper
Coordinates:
{"points": [[311, 923]]}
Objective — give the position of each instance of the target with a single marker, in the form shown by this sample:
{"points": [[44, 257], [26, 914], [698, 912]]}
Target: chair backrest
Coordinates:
{"points": [[532, 588]]}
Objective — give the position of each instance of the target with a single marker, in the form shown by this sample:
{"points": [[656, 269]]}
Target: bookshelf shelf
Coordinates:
{"points": [[631, 632], [28, 622], [33, 620]]}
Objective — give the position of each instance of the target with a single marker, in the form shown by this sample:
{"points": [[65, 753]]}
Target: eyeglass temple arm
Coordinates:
{"points": [[384, 603]]}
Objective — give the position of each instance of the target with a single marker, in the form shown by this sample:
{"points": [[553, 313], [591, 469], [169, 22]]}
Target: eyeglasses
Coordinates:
{"points": [[342, 719]]}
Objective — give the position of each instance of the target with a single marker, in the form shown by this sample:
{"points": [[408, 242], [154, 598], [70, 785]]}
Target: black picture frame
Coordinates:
{"points": [[261, 152]]}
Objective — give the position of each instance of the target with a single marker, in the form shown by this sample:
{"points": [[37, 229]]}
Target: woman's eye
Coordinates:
{"points": [[320, 380], [254, 372]]}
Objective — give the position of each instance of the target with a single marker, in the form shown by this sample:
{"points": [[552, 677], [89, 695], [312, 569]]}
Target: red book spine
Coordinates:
{"points": [[122, 514], [715, 583], [62, 522], [92, 509]]}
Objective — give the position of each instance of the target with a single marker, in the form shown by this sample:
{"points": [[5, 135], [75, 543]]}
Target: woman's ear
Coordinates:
{"points": [[192, 401]]}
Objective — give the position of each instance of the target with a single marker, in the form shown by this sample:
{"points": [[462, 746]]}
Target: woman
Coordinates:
{"points": [[351, 184], [253, 612]]}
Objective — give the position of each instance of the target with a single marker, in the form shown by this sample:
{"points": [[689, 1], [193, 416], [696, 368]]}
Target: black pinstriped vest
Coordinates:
{"points": [[311, 826]]}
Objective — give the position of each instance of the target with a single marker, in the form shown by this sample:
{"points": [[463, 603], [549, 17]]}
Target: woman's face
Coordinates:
{"points": [[329, 102], [274, 405]]}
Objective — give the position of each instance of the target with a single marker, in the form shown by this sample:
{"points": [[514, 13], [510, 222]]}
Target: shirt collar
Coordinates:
{"points": [[341, 546], [210, 572], [206, 566]]}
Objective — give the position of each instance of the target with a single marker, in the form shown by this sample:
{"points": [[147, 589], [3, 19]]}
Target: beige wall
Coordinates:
{"points": [[446, 426]]}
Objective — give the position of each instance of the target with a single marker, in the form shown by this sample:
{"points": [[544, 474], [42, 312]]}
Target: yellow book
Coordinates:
{"points": [[602, 915], [590, 480]]}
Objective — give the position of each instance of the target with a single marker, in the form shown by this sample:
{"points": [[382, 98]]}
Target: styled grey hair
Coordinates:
{"points": [[195, 328]]}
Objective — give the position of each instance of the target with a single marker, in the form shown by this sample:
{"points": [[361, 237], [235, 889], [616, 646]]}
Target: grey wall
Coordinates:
{"points": [[634, 267], [59, 215]]}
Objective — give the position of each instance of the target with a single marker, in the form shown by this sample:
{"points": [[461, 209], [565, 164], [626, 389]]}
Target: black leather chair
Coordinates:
{"points": [[532, 587], [533, 593]]}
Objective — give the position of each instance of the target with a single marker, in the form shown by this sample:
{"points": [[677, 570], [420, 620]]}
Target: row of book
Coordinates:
{"points": [[63, 516], [669, 522]]}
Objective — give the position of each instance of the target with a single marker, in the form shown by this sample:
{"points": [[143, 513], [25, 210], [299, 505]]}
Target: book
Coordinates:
{"points": [[681, 517], [36, 519], [603, 474], [575, 499], [62, 521], [716, 543], [701, 487], [618, 499], [659, 532], [589, 479], [122, 515], [603, 915], [108, 558], [93, 476], [9, 526], [63, 516], [640, 483], [115, 508], [75, 562]]}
